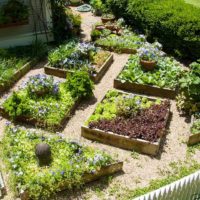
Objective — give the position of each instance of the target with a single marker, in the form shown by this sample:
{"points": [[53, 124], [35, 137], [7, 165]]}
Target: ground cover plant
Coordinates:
{"points": [[40, 98], [160, 19], [164, 75], [78, 55], [70, 161], [130, 115], [195, 129], [12, 59]]}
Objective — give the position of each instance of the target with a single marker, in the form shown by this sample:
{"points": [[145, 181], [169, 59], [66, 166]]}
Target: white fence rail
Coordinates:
{"points": [[187, 188]]}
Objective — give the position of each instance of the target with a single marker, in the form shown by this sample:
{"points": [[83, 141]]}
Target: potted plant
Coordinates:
{"points": [[149, 55], [107, 18], [98, 7]]}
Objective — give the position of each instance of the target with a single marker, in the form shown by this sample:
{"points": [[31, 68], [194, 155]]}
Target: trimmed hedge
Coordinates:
{"points": [[174, 23]]}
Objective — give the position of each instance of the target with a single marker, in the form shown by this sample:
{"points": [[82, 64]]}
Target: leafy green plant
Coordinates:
{"points": [[189, 97], [195, 129], [164, 75], [70, 162], [26, 103], [160, 19], [79, 84]]}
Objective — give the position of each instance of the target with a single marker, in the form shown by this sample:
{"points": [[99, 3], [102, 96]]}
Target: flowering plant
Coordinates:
{"points": [[42, 84], [70, 161], [150, 52]]}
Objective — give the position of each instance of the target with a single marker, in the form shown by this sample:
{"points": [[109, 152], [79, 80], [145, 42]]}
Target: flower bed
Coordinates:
{"points": [[127, 42], [38, 101], [16, 62], [71, 163], [194, 137], [162, 81], [129, 121], [73, 56]]}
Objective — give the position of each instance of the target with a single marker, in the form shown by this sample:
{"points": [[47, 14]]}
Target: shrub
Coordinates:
{"points": [[175, 23], [79, 84]]}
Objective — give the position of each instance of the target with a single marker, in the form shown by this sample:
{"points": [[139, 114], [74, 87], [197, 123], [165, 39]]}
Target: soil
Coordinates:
{"points": [[137, 171]]}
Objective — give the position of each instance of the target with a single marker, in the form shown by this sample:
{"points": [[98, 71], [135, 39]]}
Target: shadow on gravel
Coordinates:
{"points": [[97, 187]]}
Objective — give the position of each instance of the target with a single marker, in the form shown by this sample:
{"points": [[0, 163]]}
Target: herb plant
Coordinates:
{"points": [[70, 162], [195, 129]]}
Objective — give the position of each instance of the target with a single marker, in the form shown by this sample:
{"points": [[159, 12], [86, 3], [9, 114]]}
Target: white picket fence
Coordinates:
{"points": [[187, 188]]}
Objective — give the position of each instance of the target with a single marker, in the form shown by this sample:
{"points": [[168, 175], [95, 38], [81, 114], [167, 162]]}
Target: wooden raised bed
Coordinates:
{"points": [[2, 186], [145, 89], [193, 138], [14, 24], [104, 171], [62, 73], [40, 123], [121, 50], [125, 142], [18, 74]]}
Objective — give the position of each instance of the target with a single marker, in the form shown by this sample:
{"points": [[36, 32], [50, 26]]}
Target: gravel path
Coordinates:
{"points": [[138, 169]]}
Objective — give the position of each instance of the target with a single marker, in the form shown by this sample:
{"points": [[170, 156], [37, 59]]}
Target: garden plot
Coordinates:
{"points": [[162, 81], [129, 121], [14, 63], [122, 41], [74, 56], [38, 100], [71, 164]]}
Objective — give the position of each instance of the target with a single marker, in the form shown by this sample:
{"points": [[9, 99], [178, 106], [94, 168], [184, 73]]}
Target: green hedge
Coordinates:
{"points": [[175, 23]]}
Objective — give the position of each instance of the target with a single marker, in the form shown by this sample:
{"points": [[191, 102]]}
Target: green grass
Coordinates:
{"points": [[193, 2]]}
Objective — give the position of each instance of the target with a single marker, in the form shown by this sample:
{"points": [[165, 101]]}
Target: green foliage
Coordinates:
{"points": [[119, 104], [166, 20], [42, 108], [165, 74], [195, 129], [12, 59], [70, 161], [79, 84], [13, 11], [127, 40], [189, 97]]}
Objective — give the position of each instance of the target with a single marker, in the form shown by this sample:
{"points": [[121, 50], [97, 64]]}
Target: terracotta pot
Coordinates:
{"points": [[148, 65], [110, 27], [105, 19]]}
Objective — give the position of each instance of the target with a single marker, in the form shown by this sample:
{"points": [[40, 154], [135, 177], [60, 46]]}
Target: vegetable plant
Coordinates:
{"points": [[165, 74], [130, 115]]}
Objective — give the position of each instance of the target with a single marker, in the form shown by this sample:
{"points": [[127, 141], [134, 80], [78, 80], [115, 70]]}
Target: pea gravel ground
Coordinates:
{"points": [[138, 169]]}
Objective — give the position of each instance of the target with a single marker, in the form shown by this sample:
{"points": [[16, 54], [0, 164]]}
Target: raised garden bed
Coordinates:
{"points": [[74, 56], [2, 186], [194, 137], [62, 73], [17, 75], [71, 163], [161, 82], [119, 40], [109, 125], [39, 99]]}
